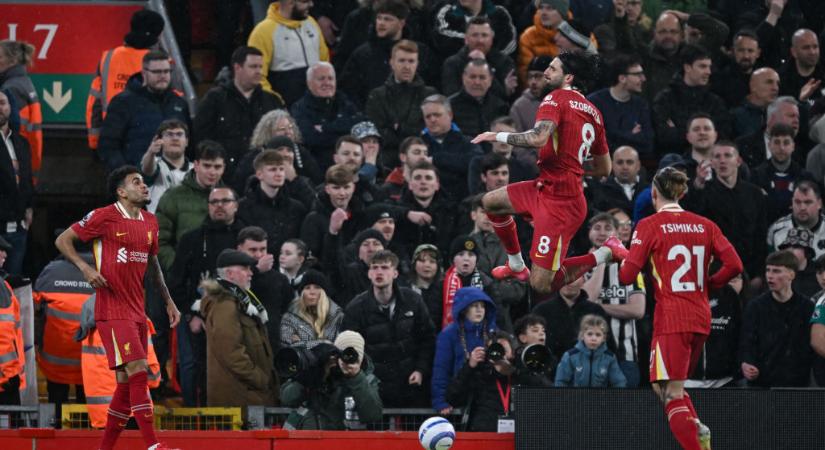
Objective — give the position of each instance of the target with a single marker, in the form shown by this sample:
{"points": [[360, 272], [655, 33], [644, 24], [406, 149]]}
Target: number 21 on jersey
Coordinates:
{"points": [[681, 252]]}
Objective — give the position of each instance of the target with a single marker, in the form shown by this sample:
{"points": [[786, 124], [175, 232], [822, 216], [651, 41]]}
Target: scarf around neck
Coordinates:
{"points": [[248, 303]]}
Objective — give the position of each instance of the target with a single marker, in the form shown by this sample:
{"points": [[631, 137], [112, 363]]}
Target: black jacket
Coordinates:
{"points": [[719, 357], [659, 70], [395, 109], [195, 259], [730, 83], [752, 148], [132, 120], [316, 223], [610, 194], [439, 232], [500, 64], [779, 186], [776, 339], [473, 116], [322, 121], [452, 157], [563, 321], [229, 118], [280, 217], [677, 103], [397, 346], [273, 290], [15, 196], [477, 388], [304, 163]]}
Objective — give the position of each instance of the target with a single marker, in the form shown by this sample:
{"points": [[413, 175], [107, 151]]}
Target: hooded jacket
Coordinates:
{"points": [[239, 360], [450, 351], [181, 209], [582, 367], [132, 120], [289, 48]]}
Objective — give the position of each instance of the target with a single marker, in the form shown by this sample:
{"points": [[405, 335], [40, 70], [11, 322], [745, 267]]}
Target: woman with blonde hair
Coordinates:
{"points": [[313, 317], [278, 123]]}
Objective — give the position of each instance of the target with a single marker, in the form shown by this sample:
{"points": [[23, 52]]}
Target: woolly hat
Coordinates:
{"points": [[376, 212], [352, 339], [146, 26], [539, 63], [369, 233], [312, 276], [562, 6], [461, 243]]}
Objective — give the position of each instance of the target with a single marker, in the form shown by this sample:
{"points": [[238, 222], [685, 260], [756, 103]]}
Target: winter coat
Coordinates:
{"points": [[195, 259], [450, 352], [439, 232], [776, 339], [477, 389], [473, 116], [563, 321], [536, 40], [132, 121], [659, 70], [325, 405], [519, 171], [280, 217], [432, 297], [295, 331], [273, 290], [779, 185], [322, 121], [239, 361], [582, 367], [399, 345], [620, 118], [505, 293], [677, 103], [180, 209], [452, 156], [395, 109], [316, 223], [450, 20], [610, 194], [16, 187], [719, 357], [229, 118], [524, 110], [453, 69], [289, 47], [306, 167]]}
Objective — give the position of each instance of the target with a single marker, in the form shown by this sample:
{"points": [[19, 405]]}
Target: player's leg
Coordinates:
{"points": [[119, 407], [670, 360], [137, 370], [500, 210]]}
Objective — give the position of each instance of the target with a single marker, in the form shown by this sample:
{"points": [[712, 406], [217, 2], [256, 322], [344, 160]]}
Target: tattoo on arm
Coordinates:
{"points": [[535, 137], [156, 275]]}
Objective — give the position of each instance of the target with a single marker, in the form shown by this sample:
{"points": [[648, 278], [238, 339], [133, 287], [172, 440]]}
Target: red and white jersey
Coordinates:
{"points": [[122, 247], [579, 134], [676, 246]]}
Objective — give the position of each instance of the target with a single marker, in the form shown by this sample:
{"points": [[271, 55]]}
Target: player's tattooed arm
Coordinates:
{"points": [[156, 277], [535, 137]]}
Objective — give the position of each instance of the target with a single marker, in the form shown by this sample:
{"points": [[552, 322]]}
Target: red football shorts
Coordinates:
{"points": [[124, 340], [674, 356], [555, 220]]}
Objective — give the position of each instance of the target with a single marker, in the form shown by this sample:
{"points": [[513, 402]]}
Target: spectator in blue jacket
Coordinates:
{"points": [[474, 313], [590, 363]]}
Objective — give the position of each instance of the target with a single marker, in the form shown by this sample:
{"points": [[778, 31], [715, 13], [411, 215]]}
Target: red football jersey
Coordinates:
{"points": [[677, 247], [122, 247], [579, 134]]}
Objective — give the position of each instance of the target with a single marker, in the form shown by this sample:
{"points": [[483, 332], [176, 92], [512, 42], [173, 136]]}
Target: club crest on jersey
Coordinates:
{"points": [[85, 219], [149, 237], [127, 349]]}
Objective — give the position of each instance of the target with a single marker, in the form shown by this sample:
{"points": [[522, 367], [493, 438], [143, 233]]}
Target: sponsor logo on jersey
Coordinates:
{"points": [[124, 256], [549, 101], [121, 234], [635, 240], [121, 255], [614, 292]]}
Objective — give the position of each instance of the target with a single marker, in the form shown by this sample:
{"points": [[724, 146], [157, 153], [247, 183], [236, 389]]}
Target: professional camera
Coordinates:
{"points": [[308, 365], [349, 355], [536, 358], [495, 352]]}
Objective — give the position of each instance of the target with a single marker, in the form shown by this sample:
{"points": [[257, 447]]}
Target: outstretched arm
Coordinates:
{"points": [[535, 137]]}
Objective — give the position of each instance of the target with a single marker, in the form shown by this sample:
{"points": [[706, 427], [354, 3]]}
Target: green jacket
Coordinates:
{"points": [[323, 409], [182, 208]]}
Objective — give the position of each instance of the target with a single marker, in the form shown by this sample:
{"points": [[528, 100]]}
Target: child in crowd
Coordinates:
{"points": [[590, 363]]}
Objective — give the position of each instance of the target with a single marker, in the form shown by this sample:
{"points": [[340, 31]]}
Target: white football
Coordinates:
{"points": [[436, 433]]}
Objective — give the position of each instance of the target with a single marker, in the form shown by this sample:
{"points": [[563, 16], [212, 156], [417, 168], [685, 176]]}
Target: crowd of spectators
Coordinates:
{"points": [[337, 156]]}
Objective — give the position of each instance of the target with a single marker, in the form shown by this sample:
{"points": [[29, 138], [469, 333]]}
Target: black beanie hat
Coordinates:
{"points": [[146, 26]]}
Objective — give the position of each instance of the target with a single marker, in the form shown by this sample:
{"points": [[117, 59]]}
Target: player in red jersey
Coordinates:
{"points": [[125, 242], [555, 201], [677, 247]]}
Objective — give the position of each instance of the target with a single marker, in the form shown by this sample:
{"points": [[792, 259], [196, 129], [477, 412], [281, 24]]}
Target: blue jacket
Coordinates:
{"points": [[582, 367], [449, 352]]}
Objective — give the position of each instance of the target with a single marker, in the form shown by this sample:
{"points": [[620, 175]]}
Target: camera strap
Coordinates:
{"points": [[504, 395]]}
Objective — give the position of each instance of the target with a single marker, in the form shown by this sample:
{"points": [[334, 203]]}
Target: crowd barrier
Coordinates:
{"points": [[591, 419]]}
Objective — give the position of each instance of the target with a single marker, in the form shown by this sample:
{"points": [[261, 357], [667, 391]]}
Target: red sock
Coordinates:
{"points": [[505, 228], [682, 424], [571, 269], [142, 407], [689, 404], [117, 416]]}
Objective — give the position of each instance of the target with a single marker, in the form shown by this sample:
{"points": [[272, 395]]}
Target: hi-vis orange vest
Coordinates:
{"points": [[115, 67], [62, 290], [99, 381], [31, 116], [12, 354]]}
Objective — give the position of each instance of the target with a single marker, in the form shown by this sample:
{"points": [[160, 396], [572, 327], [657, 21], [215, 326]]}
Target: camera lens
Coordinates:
{"points": [[495, 352], [349, 355]]}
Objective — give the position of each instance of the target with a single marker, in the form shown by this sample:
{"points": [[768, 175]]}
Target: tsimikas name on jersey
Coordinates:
{"points": [[682, 228]]}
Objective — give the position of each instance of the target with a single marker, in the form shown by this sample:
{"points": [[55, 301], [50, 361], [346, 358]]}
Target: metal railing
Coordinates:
{"points": [[38, 416], [394, 419]]}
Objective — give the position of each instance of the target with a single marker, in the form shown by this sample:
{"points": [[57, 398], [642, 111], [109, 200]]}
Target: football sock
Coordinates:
{"points": [[505, 229], [117, 416], [571, 269], [142, 408], [682, 424], [689, 404]]}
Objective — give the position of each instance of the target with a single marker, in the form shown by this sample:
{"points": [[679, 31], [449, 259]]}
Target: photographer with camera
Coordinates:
{"points": [[334, 389], [483, 385], [535, 364]]}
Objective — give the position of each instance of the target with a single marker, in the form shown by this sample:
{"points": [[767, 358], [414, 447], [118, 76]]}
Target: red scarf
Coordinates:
{"points": [[452, 283]]}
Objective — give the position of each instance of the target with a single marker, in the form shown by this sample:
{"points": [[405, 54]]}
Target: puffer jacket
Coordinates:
{"points": [[450, 20], [239, 360], [582, 367], [133, 118], [450, 350], [295, 331], [536, 40], [181, 209], [395, 109], [280, 217]]}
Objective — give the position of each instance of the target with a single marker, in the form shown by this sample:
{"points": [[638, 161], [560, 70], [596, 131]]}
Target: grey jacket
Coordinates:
{"points": [[296, 331]]}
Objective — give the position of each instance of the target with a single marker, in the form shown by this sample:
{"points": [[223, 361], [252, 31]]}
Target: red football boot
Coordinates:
{"points": [[504, 272], [617, 249]]}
